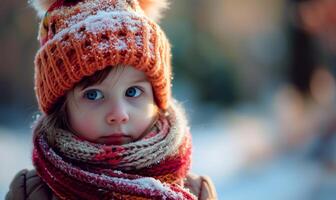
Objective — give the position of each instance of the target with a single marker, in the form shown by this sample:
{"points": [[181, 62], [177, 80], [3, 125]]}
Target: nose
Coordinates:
{"points": [[117, 114]]}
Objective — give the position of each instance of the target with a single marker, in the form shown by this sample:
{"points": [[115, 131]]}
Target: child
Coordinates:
{"points": [[109, 128]]}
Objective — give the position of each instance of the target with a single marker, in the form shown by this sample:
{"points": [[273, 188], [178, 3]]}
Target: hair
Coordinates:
{"points": [[58, 119]]}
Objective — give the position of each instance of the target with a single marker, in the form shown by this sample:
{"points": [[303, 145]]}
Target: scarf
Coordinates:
{"points": [[150, 168]]}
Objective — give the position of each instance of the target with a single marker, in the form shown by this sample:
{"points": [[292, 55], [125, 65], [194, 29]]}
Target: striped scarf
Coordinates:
{"points": [[150, 168]]}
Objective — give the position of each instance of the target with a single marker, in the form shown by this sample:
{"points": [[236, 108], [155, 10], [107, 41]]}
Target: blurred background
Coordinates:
{"points": [[257, 79]]}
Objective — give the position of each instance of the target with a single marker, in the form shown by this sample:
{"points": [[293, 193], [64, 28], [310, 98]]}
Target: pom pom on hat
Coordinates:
{"points": [[153, 8], [41, 6]]}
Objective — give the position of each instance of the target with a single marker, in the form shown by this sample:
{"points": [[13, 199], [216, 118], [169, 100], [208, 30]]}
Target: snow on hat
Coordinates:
{"points": [[80, 37]]}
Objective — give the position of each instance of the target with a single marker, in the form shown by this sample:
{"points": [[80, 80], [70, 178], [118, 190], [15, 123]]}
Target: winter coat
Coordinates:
{"points": [[29, 186]]}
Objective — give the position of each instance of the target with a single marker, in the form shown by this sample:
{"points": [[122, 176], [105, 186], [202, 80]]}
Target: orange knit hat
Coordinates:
{"points": [[80, 37]]}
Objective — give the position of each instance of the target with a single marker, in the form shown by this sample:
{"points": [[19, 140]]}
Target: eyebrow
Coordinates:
{"points": [[140, 80]]}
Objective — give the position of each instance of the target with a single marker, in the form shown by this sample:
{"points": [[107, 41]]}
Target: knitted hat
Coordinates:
{"points": [[80, 37]]}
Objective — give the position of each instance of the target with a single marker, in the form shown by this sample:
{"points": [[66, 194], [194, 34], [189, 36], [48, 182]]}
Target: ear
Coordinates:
{"points": [[154, 8]]}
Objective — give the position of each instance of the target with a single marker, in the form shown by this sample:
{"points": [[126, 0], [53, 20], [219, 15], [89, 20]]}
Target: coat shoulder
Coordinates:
{"points": [[201, 186], [28, 185]]}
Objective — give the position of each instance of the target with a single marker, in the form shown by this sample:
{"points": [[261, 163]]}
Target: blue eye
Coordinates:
{"points": [[93, 94], [133, 92]]}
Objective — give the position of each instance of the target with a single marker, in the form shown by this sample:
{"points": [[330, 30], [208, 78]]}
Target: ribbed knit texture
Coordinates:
{"points": [[150, 168], [80, 39]]}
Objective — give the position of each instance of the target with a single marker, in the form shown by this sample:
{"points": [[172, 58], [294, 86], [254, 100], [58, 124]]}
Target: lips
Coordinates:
{"points": [[115, 139]]}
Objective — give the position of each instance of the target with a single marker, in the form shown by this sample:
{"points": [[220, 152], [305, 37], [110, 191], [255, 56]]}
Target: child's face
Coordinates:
{"points": [[117, 111]]}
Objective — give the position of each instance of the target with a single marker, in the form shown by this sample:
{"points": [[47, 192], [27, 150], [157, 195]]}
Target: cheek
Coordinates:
{"points": [[84, 125], [83, 120], [146, 116]]}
